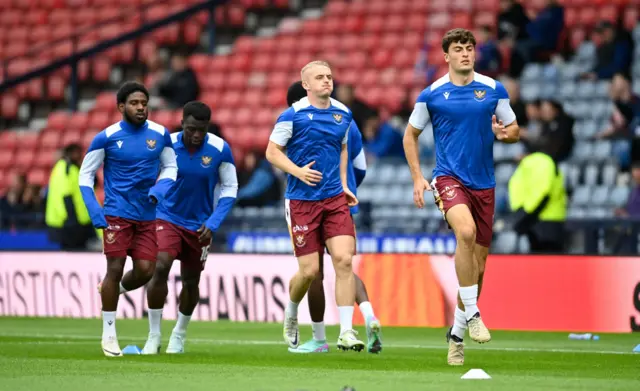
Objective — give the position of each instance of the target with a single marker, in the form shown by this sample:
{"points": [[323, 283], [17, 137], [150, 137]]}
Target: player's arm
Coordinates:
{"points": [[344, 169], [506, 126], [282, 132], [360, 161], [168, 171], [228, 190], [90, 165], [417, 122]]}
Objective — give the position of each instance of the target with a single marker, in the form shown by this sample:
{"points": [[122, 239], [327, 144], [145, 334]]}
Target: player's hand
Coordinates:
{"points": [[498, 128], [308, 175], [205, 234], [351, 198], [419, 187]]}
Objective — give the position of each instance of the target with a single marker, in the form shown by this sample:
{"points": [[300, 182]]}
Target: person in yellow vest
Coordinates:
{"points": [[538, 199], [66, 215]]}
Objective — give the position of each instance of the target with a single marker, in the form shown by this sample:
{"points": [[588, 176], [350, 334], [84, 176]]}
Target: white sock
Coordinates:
{"points": [[292, 309], [155, 317], [108, 324], [367, 310], [182, 323], [459, 323], [469, 297], [346, 318], [122, 289], [318, 331]]}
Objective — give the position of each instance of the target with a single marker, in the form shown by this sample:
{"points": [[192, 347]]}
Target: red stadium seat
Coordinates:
{"points": [[38, 177], [243, 117], [45, 158], [9, 106], [99, 120], [240, 62], [24, 160], [55, 87], [163, 117], [50, 140], [263, 118], [6, 159], [72, 137], [58, 120], [101, 69], [78, 120]]}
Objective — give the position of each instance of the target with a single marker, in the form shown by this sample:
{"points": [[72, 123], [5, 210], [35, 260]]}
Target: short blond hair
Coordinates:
{"points": [[311, 64]]}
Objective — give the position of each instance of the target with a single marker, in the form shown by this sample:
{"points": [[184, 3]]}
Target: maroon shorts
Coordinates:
{"points": [[448, 192], [136, 239], [182, 244], [311, 223]]}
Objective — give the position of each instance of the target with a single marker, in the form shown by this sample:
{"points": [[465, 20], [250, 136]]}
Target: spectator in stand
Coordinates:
{"points": [[489, 59], [360, 110], [10, 204], [180, 86], [259, 184], [613, 53], [544, 34], [626, 108], [513, 89], [531, 132], [381, 140], [632, 208], [512, 21], [32, 208], [556, 133]]}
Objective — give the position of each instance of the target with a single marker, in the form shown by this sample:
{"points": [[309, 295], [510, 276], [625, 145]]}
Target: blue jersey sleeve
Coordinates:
{"points": [[420, 117], [283, 129], [90, 165], [228, 189], [168, 171], [359, 160], [504, 112]]}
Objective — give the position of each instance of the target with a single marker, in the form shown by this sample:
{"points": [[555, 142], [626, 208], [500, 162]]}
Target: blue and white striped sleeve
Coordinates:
{"points": [[90, 165], [283, 129], [359, 161], [228, 189], [168, 170], [420, 117]]}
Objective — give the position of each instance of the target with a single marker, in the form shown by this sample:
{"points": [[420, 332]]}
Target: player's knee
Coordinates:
{"points": [[310, 272], [162, 271], [342, 263], [467, 234], [145, 269], [191, 284], [115, 270]]}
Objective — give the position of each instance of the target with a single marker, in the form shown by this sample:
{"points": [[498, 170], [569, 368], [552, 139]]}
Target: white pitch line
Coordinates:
{"points": [[274, 343]]}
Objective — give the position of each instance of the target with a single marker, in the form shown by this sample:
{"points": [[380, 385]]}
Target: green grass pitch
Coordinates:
{"points": [[65, 355]]}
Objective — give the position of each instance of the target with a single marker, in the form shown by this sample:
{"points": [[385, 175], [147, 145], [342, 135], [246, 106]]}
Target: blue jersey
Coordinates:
{"points": [[189, 202], [357, 162], [312, 134], [461, 120], [139, 164]]}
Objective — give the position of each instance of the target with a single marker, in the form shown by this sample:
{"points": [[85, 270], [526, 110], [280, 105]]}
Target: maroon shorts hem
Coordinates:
{"points": [[449, 192], [172, 252], [116, 253], [142, 256], [182, 244]]}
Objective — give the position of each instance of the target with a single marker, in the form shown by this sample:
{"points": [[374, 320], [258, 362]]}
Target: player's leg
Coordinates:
{"points": [[374, 328], [157, 291], [117, 238], [338, 231], [109, 294], [189, 298], [169, 246], [317, 304], [303, 218], [144, 251]]}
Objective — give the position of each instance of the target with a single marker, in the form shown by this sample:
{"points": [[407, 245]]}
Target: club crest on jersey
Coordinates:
{"points": [[110, 237], [337, 118], [151, 144], [300, 241], [206, 161], [480, 95]]}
